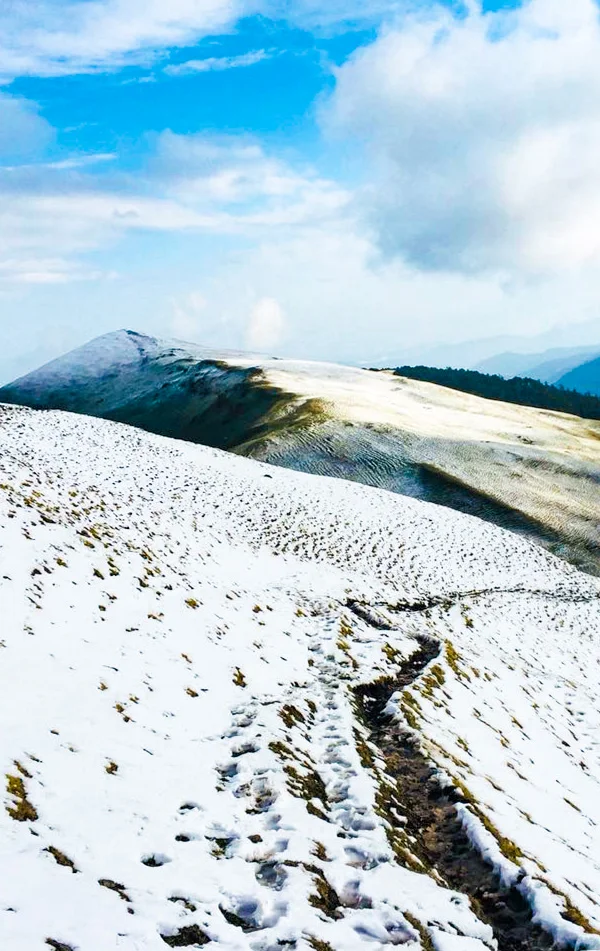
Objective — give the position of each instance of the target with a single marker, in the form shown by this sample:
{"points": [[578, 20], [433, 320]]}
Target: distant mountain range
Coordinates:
{"points": [[561, 366], [547, 357], [554, 365], [530, 470]]}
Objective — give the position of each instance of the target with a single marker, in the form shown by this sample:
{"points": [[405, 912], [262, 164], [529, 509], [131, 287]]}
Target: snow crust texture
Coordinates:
{"points": [[182, 634]]}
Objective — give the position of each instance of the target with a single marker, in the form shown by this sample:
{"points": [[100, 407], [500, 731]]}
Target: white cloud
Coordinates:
{"points": [[57, 226], [266, 325], [42, 37], [338, 302], [83, 160], [44, 270], [217, 63], [342, 303], [476, 171], [196, 184], [80, 220], [482, 136], [288, 244], [187, 316], [50, 38], [255, 189]]}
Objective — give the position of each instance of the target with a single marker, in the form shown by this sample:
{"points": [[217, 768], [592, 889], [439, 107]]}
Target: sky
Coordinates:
{"points": [[329, 179]]}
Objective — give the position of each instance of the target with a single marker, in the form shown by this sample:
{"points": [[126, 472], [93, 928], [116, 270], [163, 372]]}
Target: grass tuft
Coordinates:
{"points": [[238, 678], [61, 858], [21, 810]]}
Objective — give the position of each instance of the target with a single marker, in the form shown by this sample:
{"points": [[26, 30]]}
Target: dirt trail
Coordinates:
{"points": [[437, 836]]}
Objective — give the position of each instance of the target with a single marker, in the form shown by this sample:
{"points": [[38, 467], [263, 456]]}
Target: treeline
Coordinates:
{"points": [[521, 390]]}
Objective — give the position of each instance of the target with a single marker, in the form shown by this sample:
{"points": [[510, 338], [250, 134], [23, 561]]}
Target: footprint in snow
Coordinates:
{"points": [[155, 859]]}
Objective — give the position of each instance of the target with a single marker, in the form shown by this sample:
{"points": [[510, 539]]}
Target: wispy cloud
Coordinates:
{"points": [[73, 161], [49, 38], [45, 270], [218, 63], [41, 37], [250, 186], [82, 161], [60, 211]]}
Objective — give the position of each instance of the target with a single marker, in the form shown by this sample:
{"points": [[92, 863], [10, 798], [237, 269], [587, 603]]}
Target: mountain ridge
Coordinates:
{"points": [[547, 366], [410, 437], [521, 391]]}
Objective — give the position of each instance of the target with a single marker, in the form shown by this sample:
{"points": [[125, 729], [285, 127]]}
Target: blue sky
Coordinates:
{"points": [[334, 180]]}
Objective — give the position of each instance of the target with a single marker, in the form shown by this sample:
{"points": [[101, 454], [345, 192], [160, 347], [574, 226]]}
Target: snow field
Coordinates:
{"points": [[182, 757]]}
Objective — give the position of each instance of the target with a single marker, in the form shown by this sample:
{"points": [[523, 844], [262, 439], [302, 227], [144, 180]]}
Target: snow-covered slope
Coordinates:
{"points": [[169, 388], [224, 687], [532, 471]]}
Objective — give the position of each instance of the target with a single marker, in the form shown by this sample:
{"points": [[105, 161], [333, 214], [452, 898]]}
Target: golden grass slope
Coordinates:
{"points": [[542, 464]]}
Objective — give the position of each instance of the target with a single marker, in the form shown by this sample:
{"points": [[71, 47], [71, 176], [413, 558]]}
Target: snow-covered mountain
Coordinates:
{"points": [[170, 388], [260, 709], [529, 470]]}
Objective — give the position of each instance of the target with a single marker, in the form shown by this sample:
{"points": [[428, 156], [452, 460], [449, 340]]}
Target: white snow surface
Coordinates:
{"points": [[176, 658], [540, 463]]}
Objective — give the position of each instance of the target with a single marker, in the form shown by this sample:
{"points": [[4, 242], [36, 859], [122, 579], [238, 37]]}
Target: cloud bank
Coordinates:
{"points": [[482, 135]]}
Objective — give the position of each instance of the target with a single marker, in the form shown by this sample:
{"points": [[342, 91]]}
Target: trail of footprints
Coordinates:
{"points": [[265, 786]]}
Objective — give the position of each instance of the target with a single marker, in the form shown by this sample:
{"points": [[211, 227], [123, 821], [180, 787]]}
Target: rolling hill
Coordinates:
{"points": [[533, 471], [523, 391]]}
